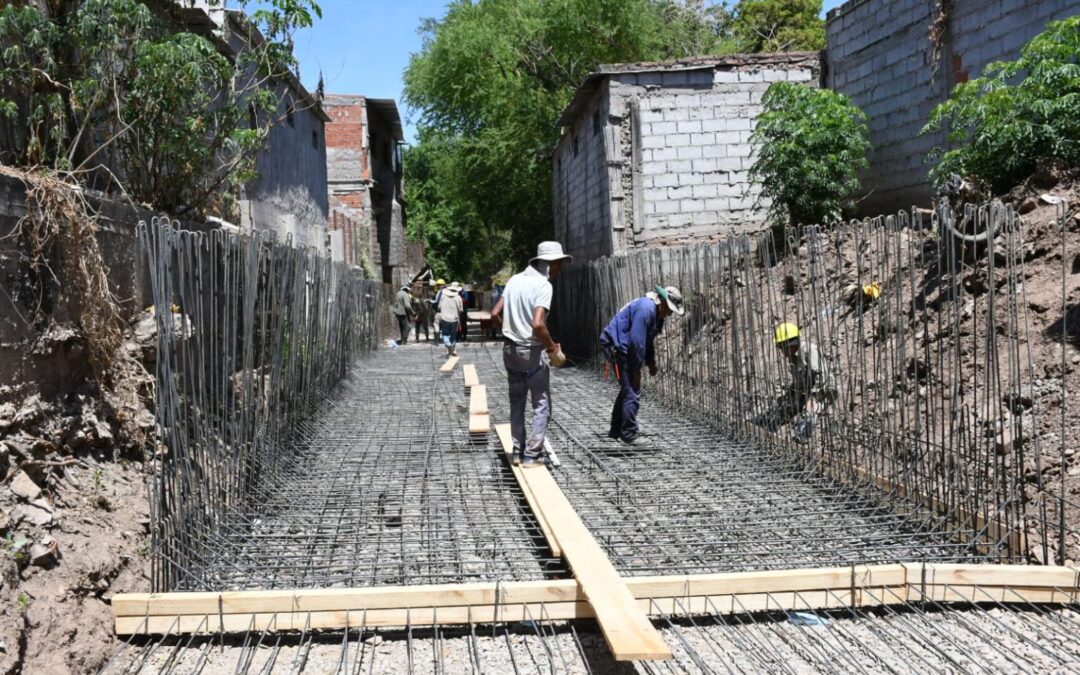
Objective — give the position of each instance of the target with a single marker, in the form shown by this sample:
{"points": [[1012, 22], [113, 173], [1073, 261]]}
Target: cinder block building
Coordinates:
{"points": [[659, 153], [367, 225], [881, 55]]}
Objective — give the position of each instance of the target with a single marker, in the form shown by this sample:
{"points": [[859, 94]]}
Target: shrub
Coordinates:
{"points": [[810, 145], [1016, 114]]}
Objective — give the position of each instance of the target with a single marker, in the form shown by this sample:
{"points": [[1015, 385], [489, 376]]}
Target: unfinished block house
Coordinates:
{"points": [[659, 153]]}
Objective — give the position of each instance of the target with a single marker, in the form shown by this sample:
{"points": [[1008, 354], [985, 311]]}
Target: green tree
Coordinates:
{"points": [[489, 82], [1018, 113], [778, 26], [810, 145], [115, 97]]}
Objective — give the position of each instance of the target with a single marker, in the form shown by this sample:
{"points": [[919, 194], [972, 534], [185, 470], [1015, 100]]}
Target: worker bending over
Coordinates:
{"points": [[812, 385], [528, 348], [628, 344]]}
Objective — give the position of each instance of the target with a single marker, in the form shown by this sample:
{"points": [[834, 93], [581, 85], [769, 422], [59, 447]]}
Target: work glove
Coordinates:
{"points": [[556, 357]]}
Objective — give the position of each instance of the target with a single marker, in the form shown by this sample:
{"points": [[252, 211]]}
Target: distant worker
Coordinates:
{"points": [[628, 342], [449, 310], [812, 385], [422, 314], [528, 348], [403, 310]]}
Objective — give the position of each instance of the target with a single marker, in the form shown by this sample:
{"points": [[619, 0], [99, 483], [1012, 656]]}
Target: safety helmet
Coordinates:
{"points": [[785, 331], [440, 282], [872, 291]]}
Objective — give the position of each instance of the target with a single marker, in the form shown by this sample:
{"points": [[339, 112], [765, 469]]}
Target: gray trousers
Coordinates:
{"points": [[528, 374]]}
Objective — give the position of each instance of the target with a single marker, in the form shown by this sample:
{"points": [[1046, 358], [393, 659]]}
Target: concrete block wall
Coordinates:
{"points": [[582, 207], [880, 55], [695, 147]]}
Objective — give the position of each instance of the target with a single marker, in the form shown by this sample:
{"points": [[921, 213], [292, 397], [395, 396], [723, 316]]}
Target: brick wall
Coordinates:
{"points": [[879, 54]]}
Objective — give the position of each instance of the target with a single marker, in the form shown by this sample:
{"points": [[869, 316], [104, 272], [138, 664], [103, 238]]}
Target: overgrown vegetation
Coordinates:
{"points": [[125, 101], [492, 78], [810, 144], [1015, 115]]}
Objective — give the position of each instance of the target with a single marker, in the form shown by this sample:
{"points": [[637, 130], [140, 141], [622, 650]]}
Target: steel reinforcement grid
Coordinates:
{"points": [[923, 319], [252, 334]]}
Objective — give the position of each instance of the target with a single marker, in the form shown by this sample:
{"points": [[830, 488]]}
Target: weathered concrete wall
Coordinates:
{"points": [[290, 195], [663, 153], [881, 56], [48, 358], [582, 208]]}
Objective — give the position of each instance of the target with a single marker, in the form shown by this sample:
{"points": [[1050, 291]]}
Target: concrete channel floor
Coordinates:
{"points": [[384, 487]]}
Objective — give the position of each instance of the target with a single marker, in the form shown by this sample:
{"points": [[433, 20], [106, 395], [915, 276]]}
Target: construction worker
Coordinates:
{"points": [[403, 310], [449, 310], [812, 385], [528, 348], [422, 314], [628, 343]]}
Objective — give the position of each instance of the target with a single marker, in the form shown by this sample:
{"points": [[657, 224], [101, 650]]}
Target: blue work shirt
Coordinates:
{"points": [[631, 333]]}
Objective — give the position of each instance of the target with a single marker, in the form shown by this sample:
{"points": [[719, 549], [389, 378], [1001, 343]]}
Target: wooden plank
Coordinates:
{"points": [[629, 633], [471, 378], [1000, 575], [478, 404], [449, 365], [479, 424], [330, 599], [503, 431]]}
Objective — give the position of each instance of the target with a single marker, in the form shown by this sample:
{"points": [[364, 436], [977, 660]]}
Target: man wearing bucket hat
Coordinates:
{"points": [[528, 348], [450, 308], [628, 343]]}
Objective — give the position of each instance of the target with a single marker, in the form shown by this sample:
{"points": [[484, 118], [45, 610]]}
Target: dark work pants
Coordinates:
{"points": [[624, 414], [404, 325]]}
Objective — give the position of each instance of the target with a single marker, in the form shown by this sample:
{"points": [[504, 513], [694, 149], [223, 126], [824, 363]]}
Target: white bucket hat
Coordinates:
{"points": [[550, 251], [672, 297]]}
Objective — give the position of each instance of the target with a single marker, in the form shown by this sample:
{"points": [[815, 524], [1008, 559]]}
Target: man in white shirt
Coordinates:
{"points": [[528, 348]]}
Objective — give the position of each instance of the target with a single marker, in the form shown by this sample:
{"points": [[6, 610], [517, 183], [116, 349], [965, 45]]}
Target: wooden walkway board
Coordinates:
{"points": [[478, 404], [626, 627], [675, 595], [471, 378], [449, 365], [503, 430]]}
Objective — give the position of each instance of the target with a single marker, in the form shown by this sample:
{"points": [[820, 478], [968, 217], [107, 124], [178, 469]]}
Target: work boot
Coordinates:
{"points": [[635, 441]]}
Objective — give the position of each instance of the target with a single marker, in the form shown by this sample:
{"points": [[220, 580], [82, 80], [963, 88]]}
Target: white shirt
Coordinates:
{"points": [[523, 294]]}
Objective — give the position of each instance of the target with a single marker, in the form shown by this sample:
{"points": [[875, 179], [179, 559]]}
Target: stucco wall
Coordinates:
{"points": [[880, 55], [290, 194]]}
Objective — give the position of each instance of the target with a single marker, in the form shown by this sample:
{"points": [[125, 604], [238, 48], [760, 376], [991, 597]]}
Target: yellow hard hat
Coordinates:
{"points": [[785, 331], [872, 291], [440, 282]]}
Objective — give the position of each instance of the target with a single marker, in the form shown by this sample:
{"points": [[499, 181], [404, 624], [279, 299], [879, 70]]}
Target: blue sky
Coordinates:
{"points": [[363, 46]]}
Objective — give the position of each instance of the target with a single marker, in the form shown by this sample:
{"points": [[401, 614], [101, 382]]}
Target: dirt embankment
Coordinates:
{"points": [[74, 519]]}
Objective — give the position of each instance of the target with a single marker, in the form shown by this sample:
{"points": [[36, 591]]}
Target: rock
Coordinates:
{"points": [[37, 515], [1028, 205], [1021, 399], [23, 486], [5, 521], [374, 640], [1049, 199], [44, 553]]}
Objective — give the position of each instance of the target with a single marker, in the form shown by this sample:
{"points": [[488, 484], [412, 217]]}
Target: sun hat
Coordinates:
{"points": [[550, 251], [672, 297]]}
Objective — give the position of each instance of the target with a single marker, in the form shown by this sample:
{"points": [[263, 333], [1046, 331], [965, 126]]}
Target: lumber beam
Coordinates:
{"points": [[503, 432], [705, 594], [449, 364], [471, 378], [629, 633], [479, 418]]}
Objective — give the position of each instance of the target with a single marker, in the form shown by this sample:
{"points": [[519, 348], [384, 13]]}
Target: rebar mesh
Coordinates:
{"points": [[932, 374], [252, 333]]}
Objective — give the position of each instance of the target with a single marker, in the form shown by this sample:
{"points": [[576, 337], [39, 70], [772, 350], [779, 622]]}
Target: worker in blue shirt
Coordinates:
{"points": [[628, 345]]}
